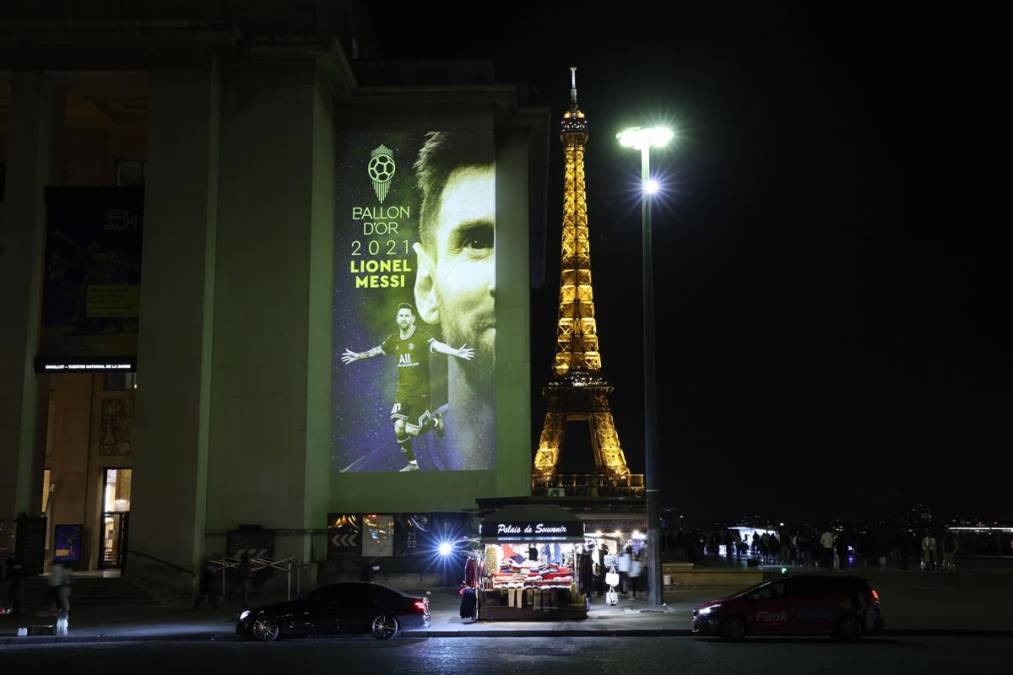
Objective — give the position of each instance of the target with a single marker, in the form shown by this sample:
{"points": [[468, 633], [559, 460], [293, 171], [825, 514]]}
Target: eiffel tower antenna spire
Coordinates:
{"points": [[577, 389]]}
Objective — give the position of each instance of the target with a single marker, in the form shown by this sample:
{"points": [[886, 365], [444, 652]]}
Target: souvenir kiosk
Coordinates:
{"points": [[528, 570]]}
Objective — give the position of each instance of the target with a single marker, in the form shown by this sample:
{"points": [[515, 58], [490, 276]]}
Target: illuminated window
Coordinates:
{"points": [[116, 493], [120, 381], [46, 478]]}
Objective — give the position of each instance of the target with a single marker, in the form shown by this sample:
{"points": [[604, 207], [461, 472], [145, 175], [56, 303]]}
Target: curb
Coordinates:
{"points": [[946, 632], [9, 640], [522, 633], [548, 632]]}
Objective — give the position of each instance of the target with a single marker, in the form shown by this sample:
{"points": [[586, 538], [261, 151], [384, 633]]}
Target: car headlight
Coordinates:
{"points": [[245, 613], [707, 610]]}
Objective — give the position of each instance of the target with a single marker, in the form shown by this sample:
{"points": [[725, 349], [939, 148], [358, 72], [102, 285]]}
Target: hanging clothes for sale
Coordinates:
{"points": [[585, 574], [471, 572], [539, 586]]}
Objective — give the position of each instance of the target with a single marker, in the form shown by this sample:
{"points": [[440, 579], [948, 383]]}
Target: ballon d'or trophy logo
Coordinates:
{"points": [[381, 170]]}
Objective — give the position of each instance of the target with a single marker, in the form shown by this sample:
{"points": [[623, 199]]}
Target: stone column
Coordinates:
{"points": [[167, 519], [35, 125], [270, 431]]}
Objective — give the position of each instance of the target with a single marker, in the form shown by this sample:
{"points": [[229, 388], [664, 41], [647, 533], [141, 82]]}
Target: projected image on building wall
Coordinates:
{"points": [[414, 302]]}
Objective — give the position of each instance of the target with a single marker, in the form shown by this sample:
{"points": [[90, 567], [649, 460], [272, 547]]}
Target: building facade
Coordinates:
{"points": [[163, 388]]}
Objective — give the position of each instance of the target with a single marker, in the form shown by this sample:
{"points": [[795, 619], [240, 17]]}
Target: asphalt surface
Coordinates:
{"points": [[976, 601], [612, 655]]}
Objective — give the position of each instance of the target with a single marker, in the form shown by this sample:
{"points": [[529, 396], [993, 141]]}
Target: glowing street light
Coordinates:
{"points": [[640, 138], [445, 548], [643, 139]]}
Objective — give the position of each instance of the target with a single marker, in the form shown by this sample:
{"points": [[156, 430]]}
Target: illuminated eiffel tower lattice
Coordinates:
{"points": [[577, 390]]}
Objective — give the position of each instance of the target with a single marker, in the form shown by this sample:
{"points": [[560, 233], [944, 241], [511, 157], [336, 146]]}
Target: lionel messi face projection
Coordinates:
{"points": [[415, 239], [456, 282]]}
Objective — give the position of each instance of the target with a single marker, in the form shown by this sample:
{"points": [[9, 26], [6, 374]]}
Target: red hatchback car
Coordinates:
{"points": [[841, 606]]}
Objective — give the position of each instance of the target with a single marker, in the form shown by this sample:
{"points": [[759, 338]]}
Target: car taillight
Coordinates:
{"points": [[875, 595], [421, 606]]}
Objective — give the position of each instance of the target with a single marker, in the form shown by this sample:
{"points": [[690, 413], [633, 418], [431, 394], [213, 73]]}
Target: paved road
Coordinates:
{"points": [[645, 656]]}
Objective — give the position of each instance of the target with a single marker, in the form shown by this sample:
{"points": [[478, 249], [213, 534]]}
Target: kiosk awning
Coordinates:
{"points": [[533, 523]]}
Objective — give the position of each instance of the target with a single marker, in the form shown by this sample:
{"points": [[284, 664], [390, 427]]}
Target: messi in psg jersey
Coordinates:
{"points": [[412, 354]]}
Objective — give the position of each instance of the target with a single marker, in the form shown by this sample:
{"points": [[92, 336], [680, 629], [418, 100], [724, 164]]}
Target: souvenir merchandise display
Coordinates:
{"points": [[516, 571], [529, 567]]}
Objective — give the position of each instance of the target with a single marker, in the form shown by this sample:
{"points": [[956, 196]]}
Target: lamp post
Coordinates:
{"points": [[643, 140]]}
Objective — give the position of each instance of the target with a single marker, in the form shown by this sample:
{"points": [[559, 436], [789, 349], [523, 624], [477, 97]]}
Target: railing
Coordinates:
{"points": [[166, 563], [588, 485], [257, 564]]}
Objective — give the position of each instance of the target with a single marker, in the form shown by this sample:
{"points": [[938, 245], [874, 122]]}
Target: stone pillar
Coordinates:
{"points": [[270, 431], [513, 334], [35, 125], [167, 519]]}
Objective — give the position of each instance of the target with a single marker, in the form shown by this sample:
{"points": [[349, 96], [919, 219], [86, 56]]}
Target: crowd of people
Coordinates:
{"points": [[595, 563], [830, 547]]}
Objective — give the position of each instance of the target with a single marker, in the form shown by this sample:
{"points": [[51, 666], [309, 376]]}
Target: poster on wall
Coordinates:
{"points": [[411, 534], [344, 536], [377, 536], [414, 302], [116, 427], [91, 287], [67, 544]]}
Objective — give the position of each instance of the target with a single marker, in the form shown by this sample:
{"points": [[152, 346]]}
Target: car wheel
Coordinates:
{"points": [[385, 627], [265, 628], [850, 628], [733, 628]]}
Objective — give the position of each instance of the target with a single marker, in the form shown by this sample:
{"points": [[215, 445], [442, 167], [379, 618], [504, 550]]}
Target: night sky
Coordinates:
{"points": [[832, 282]]}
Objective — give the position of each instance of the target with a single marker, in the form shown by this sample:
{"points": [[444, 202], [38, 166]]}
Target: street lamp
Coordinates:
{"points": [[644, 139]]}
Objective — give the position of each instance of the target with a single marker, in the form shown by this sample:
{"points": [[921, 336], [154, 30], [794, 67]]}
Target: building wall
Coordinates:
{"points": [[233, 410], [450, 491], [34, 125], [90, 156], [513, 318], [78, 151], [318, 360], [69, 445], [176, 325], [76, 457], [273, 208]]}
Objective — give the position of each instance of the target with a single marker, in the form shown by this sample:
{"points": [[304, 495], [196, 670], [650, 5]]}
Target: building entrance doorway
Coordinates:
{"points": [[115, 519]]}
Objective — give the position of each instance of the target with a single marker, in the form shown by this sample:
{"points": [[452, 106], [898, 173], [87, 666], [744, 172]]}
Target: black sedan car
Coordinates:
{"points": [[352, 607], [842, 606]]}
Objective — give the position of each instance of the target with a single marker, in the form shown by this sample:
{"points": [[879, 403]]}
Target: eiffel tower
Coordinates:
{"points": [[577, 390]]}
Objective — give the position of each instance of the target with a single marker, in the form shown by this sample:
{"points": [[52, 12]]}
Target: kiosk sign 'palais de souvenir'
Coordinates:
{"points": [[414, 302], [531, 531]]}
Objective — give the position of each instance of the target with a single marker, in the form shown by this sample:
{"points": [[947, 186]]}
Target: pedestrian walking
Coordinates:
{"points": [[585, 576], [603, 551], [59, 587], [929, 552], [950, 547], [625, 558], [243, 575], [729, 544], [841, 545], [827, 548], [635, 570], [206, 585], [15, 575]]}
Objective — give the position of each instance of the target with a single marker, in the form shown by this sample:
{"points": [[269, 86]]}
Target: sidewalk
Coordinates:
{"points": [[914, 603], [146, 622]]}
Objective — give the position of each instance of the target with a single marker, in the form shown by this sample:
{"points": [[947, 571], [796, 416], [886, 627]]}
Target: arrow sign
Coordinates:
{"points": [[344, 540]]}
